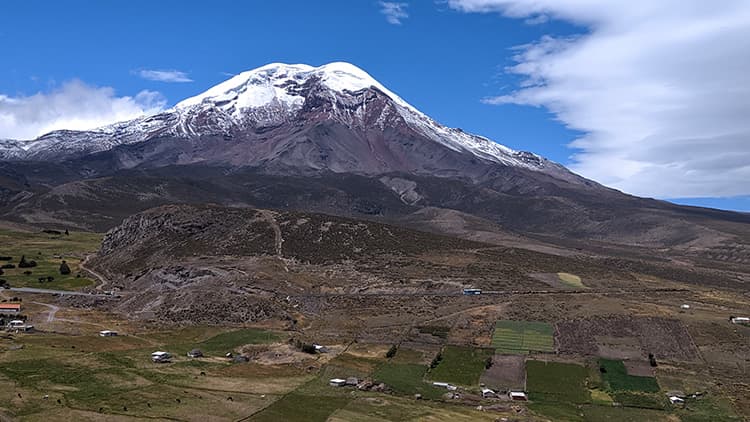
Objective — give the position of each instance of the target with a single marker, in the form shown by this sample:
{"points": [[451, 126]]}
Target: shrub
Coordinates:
{"points": [[64, 268], [436, 361], [391, 352], [23, 263], [6, 258], [8, 266], [308, 348], [27, 272], [1, 271]]}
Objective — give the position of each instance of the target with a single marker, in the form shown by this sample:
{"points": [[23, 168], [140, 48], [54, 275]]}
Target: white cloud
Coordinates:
{"points": [[394, 12], [659, 89], [75, 105], [172, 76]]}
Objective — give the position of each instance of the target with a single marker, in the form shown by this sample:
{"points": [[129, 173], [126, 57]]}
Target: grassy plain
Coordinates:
{"points": [[48, 250]]}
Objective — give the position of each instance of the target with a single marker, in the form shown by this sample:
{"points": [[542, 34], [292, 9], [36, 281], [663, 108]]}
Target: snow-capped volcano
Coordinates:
{"points": [[376, 131]]}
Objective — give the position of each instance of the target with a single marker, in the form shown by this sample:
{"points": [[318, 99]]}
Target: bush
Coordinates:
{"points": [[6, 258], [391, 352], [1, 271], [308, 348], [436, 361], [23, 263], [64, 268], [27, 272], [8, 266]]}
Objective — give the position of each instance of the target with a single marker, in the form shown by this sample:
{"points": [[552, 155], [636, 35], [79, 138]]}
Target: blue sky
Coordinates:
{"points": [[443, 57]]}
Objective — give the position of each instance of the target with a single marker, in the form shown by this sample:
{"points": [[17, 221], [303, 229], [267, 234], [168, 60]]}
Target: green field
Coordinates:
{"points": [[407, 379], [520, 337], [461, 365], [301, 407], [557, 382], [45, 250], [616, 377], [571, 280]]}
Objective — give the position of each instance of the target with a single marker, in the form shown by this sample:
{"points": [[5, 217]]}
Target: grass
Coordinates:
{"points": [[42, 248], [615, 375], [641, 400], [571, 280], [461, 365], [521, 337], [407, 379], [230, 340], [556, 382], [301, 407]]}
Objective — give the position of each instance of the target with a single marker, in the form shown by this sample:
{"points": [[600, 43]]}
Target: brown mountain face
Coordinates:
{"points": [[332, 140]]}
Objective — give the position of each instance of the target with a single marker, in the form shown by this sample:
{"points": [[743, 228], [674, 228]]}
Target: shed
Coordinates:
{"points": [[518, 396], [320, 349], [337, 382], [107, 333], [19, 325], [741, 320], [685, 306], [676, 400], [195, 353], [10, 308], [487, 393]]}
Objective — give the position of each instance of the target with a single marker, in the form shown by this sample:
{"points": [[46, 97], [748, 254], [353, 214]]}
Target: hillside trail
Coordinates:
{"points": [[51, 312], [102, 280]]}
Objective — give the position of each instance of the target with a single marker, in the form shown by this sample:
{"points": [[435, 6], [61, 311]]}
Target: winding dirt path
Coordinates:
{"points": [[51, 312], [102, 280]]}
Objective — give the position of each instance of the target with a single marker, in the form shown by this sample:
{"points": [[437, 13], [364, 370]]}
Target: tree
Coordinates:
{"points": [[64, 268], [652, 360], [391, 352], [67, 233], [1, 271]]}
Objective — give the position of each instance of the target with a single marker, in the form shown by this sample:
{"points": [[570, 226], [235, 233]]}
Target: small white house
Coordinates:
{"points": [[320, 349], [160, 357], [337, 382], [445, 385], [107, 333], [676, 400], [487, 393], [741, 320], [685, 306], [518, 396]]}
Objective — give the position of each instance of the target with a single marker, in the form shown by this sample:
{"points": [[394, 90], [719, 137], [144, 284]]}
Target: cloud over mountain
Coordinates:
{"points": [[658, 89]]}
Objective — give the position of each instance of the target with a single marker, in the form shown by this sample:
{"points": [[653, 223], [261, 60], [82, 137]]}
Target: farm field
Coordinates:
{"points": [[407, 379], [507, 372], [461, 365], [48, 251], [556, 382], [571, 280], [616, 377], [522, 337]]}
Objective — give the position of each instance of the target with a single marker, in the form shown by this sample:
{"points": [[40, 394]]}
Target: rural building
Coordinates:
{"points": [[445, 385], [18, 325], [10, 308], [487, 393], [320, 349], [741, 320], [107, 333], [352, 381], [518, 396], [472, 291], [676, 400], [685, 306], [337, 382], [160, 357], [195, 353]]}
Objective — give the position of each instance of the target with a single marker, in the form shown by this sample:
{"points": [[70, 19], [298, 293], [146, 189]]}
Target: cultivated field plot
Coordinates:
{"points": [[617, 378], [557, 382], [521, 337], [461, 365], [407, 379], [667, 337], [508, 372], [565, 281]]}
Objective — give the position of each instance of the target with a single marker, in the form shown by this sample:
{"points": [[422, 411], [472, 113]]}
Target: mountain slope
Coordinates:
{"points": [[332, 139]]}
